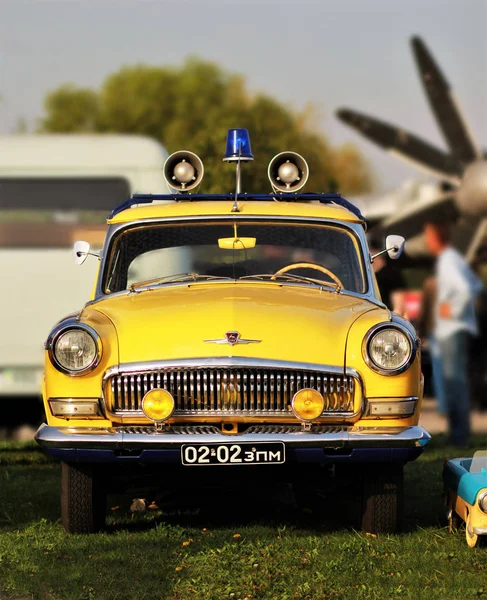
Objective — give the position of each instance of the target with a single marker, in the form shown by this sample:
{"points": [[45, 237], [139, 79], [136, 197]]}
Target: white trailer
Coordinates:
{"points": [[54, 190]]}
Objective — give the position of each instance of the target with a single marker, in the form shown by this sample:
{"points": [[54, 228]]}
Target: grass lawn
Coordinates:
{"points": [[255, 550]]}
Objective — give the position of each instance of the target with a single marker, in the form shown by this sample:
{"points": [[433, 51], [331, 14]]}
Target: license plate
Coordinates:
{"points": [[233, 454]]}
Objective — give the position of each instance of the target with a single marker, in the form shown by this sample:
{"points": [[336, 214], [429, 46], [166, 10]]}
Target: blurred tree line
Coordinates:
{"points": [[191, 108]]}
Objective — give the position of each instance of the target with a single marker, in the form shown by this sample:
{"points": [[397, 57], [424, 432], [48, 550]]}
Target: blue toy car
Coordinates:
{"points": [[465, 481]]}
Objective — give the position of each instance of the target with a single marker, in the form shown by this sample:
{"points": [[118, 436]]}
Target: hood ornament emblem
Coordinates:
{"points": [[232, 338]]}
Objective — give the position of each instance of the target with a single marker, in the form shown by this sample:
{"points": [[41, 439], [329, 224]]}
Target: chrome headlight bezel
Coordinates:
{"points": [[481, 500], [378, 368], [65, 328]]}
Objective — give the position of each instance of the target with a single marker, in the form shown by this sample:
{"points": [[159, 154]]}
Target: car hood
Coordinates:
{"points": [[290, 323]]}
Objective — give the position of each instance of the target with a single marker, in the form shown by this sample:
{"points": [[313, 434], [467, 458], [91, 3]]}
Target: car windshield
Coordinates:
{"points": [[164, 254]]}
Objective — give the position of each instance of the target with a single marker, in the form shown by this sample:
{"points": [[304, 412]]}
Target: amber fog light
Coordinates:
{"points": [[158, 405], [308, 404]]}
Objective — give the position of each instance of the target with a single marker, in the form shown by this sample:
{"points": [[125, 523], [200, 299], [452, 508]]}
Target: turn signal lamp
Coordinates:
{"points": [[158, 405], [391, 407], [308, 404], [75, 408], [238, 146]]}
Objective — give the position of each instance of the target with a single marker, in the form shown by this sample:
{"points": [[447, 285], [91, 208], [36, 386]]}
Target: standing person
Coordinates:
{"points": [[427, 332], [455, 323], [391, 283]]}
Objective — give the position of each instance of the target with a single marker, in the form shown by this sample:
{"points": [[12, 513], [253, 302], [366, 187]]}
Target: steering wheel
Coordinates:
{"points": [[305, 265]]}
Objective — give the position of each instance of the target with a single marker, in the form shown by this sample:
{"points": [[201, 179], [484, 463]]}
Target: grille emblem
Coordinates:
{"points": [[232, 338]]}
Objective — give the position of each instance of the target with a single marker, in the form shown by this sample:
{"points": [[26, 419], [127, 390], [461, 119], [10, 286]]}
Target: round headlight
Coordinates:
{"points": [[308, 404], [75, 350], [483, 502], [389, 349]]}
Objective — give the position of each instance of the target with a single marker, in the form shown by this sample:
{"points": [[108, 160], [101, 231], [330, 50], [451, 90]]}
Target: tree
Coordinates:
{"points": [[192, 108], [71, 110]]}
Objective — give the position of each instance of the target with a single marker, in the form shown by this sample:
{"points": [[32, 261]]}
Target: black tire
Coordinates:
{"points": [[83, 499], [382, 499]]}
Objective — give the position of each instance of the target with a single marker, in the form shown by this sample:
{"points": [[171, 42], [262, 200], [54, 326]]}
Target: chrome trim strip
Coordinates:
{"points": [[138, 414], [391, 398], [479, 530], [479, 501], [126, 438], [63, 327], [388, 325], [225, 361]]}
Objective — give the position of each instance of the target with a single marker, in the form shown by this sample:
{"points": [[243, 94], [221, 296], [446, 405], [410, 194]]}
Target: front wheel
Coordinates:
{"points": [[382, 498], [83, 499]]}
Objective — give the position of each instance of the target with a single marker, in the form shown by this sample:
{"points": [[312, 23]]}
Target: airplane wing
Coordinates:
{"points": [[405, 145], [444, 105]]}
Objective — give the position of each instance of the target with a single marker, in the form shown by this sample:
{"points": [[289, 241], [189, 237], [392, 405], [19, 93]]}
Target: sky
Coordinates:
{"points": [[332, 53]]}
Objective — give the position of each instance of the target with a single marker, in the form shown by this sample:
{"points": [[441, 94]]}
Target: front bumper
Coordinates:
{"points": [[145, 444]]}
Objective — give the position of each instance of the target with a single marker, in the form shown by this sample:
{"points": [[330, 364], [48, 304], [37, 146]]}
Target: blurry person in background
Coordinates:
{"points": [[455, 324], [478, 347], [391, 283], [427, 333]]}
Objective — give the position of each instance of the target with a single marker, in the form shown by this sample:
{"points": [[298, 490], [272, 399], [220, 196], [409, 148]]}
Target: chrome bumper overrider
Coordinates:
{"points": [[126, 438]]}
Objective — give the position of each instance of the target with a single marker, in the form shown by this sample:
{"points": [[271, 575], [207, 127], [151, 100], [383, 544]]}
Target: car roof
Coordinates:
{"points": [[170, 210]]}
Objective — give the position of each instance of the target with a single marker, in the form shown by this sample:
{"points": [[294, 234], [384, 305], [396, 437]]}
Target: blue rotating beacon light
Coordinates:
{"points": [[238, 150], [238, 146]]}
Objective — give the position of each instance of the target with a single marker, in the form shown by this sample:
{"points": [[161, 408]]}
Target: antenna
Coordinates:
{"points": [[238, 182]]}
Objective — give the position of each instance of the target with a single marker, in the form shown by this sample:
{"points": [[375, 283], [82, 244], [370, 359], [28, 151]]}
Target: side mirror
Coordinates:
{"points": [[80, 252], [395, 246]]}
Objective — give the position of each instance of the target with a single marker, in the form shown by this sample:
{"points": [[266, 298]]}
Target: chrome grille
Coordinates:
{"points": [[212, 430], [230, 391], [178, 429], [298, 429]]}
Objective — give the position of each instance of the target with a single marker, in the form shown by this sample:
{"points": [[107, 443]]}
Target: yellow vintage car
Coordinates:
{"points": [[235, 331]]}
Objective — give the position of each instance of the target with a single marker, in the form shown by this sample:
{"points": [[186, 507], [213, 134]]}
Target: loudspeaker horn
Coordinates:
{"points": [[183, 170], [288, 172]]}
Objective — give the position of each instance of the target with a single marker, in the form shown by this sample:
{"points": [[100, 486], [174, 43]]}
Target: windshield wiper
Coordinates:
{"points": [[295, 278], [180, 277]]}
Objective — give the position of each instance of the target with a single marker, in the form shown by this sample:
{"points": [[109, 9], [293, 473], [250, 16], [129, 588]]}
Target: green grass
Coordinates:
{"points": [[257, 552]]}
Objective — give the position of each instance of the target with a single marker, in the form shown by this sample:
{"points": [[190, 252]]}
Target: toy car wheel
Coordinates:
{"points": [[383, 499], [83, 499], [453, 519]]}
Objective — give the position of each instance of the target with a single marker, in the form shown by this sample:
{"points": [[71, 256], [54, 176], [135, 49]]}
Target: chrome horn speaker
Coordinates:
{"points": [[288, 172], [183, 170]]}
